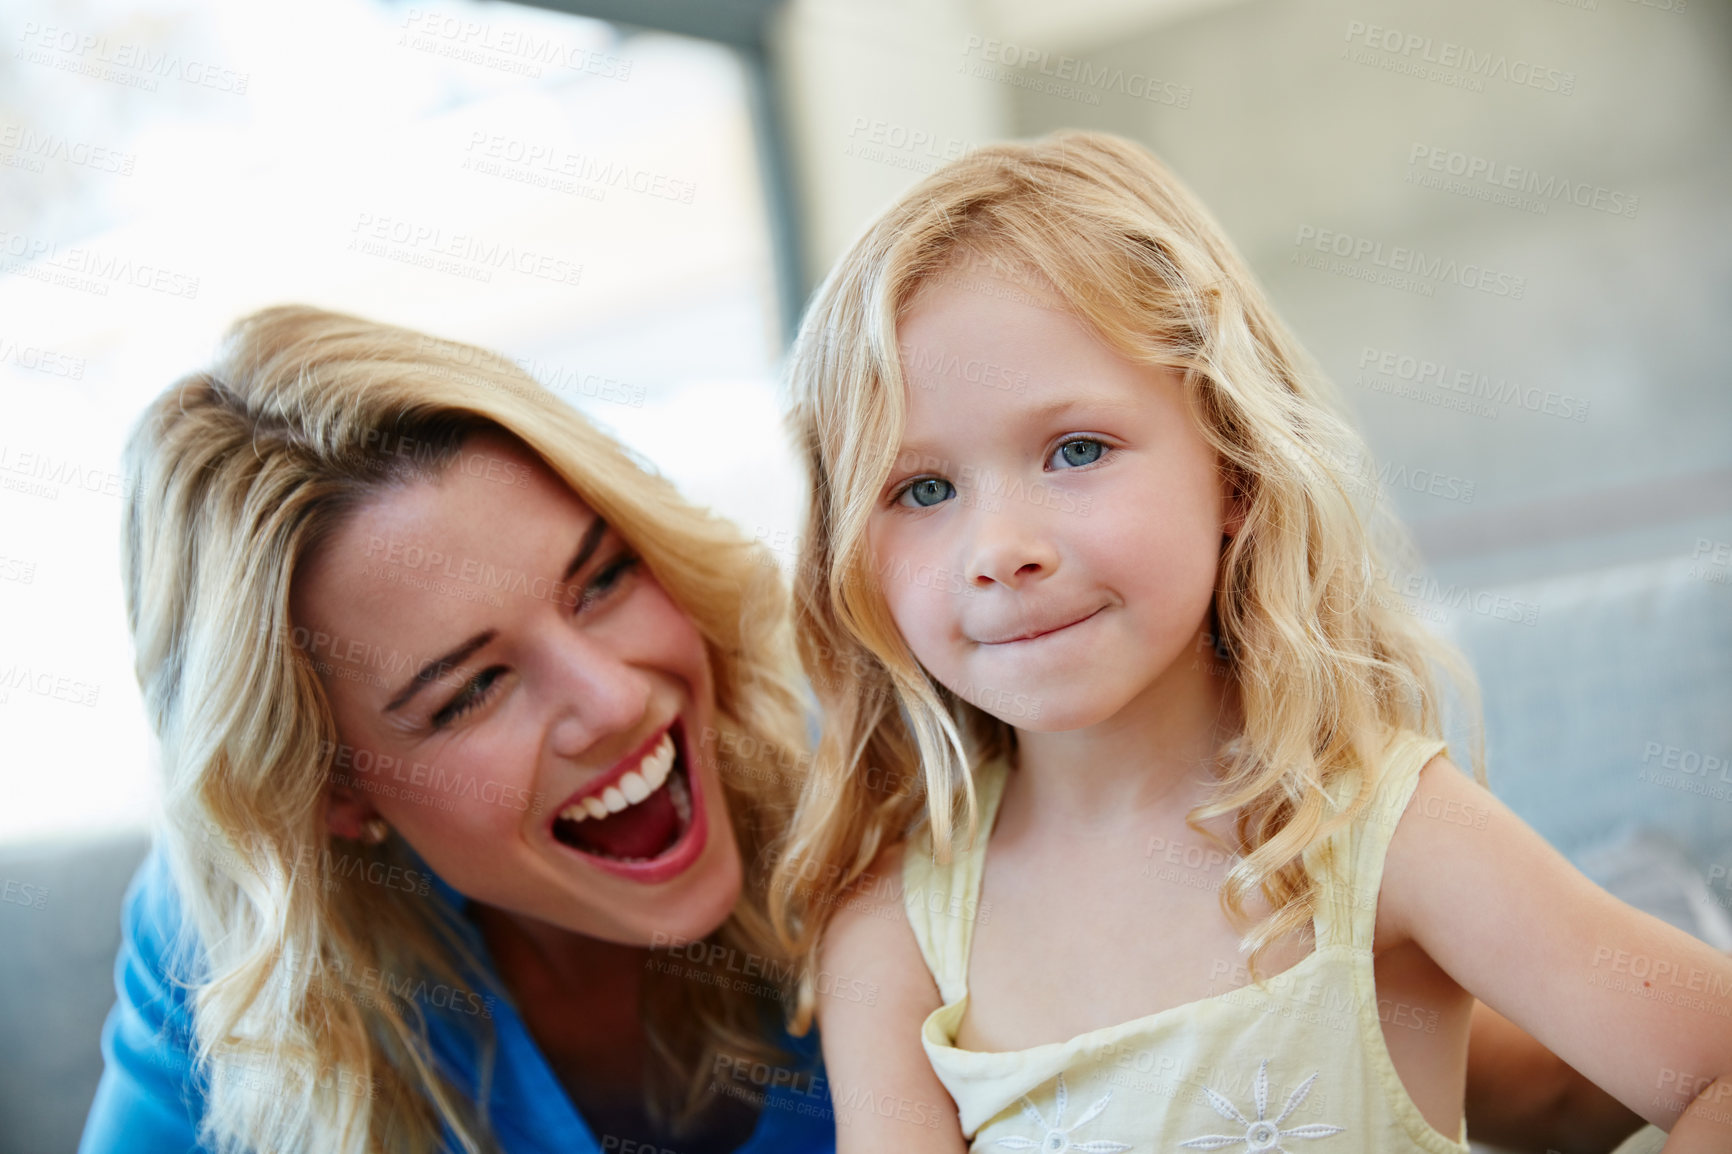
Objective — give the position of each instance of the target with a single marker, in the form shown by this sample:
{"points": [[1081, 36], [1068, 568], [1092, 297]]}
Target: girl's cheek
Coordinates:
{"points": [[904, 615]]}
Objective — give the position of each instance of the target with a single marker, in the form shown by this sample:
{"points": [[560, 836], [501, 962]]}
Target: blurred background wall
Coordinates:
{"points": [[1545, 385]]}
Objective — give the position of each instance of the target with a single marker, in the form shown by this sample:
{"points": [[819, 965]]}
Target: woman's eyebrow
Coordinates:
{"points": [[431, 670], [585, 547]]}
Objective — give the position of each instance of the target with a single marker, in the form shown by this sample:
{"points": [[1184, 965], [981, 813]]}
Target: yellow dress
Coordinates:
{"points": [[1298, 1065]]}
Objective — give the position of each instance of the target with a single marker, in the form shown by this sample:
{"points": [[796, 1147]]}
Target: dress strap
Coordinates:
{"points": [[943, 901], [1349, 865]]}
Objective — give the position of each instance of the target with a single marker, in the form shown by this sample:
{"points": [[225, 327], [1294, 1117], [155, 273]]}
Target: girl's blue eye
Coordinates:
{"points": [[926, 492], [1077, 453]]}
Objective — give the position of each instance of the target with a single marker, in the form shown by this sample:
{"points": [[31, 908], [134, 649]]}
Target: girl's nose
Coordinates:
{"points": [[1007, 548], [599, 695]]}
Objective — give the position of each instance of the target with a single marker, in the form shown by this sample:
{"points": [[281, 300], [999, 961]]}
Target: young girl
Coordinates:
{"points": [[1132, 796]]}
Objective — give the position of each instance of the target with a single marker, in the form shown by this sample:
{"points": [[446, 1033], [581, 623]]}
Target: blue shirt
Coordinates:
{"points": [[149, 1101]]}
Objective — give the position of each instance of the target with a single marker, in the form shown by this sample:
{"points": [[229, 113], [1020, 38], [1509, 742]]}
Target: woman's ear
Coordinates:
{"points": [[347, 812], [1234, 519]]}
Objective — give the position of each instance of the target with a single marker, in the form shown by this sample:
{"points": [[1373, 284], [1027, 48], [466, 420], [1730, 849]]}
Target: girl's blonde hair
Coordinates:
{"points": [[1307, 618], [235, 474]]}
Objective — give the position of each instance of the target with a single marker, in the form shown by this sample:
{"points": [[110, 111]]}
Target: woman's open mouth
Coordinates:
{"points": [[643, 821]]}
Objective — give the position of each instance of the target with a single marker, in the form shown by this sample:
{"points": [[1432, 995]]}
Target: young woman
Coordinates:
{"points": [[442, 680]]}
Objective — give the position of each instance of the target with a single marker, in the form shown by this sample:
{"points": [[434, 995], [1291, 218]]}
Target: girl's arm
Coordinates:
{"points": [[884, 1092], [1521, 1096], [1642, 1009]]}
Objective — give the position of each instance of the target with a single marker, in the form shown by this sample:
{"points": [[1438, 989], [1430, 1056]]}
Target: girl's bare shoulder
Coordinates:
{"points": [[869, 944]]}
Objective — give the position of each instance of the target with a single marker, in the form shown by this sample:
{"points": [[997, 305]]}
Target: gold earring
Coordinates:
{"points": [[374, 830]]}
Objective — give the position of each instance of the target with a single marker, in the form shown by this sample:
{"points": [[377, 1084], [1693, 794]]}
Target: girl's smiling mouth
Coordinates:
{"points": [[1039, 631], [642, 820]]}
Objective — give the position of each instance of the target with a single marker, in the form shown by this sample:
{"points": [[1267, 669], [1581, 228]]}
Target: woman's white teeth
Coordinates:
{"points": [[633, 787], [682, 799], [656, 766]]}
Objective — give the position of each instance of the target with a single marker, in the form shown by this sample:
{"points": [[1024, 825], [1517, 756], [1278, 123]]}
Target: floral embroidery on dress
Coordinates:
{"points": [[1055, 1136], [1261, 1133]]}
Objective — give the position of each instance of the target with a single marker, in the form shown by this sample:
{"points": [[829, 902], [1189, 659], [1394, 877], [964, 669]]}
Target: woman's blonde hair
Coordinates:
{"points": [[235, 475], [1307, 618]]}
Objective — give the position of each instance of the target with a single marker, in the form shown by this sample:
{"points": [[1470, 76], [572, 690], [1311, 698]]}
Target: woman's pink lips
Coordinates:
{"points": [[686, 849], [1040, 632], [599, 785]]}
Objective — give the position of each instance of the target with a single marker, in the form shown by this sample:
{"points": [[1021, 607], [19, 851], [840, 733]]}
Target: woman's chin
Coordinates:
{"points": [[718, 883], [712, 886]]}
